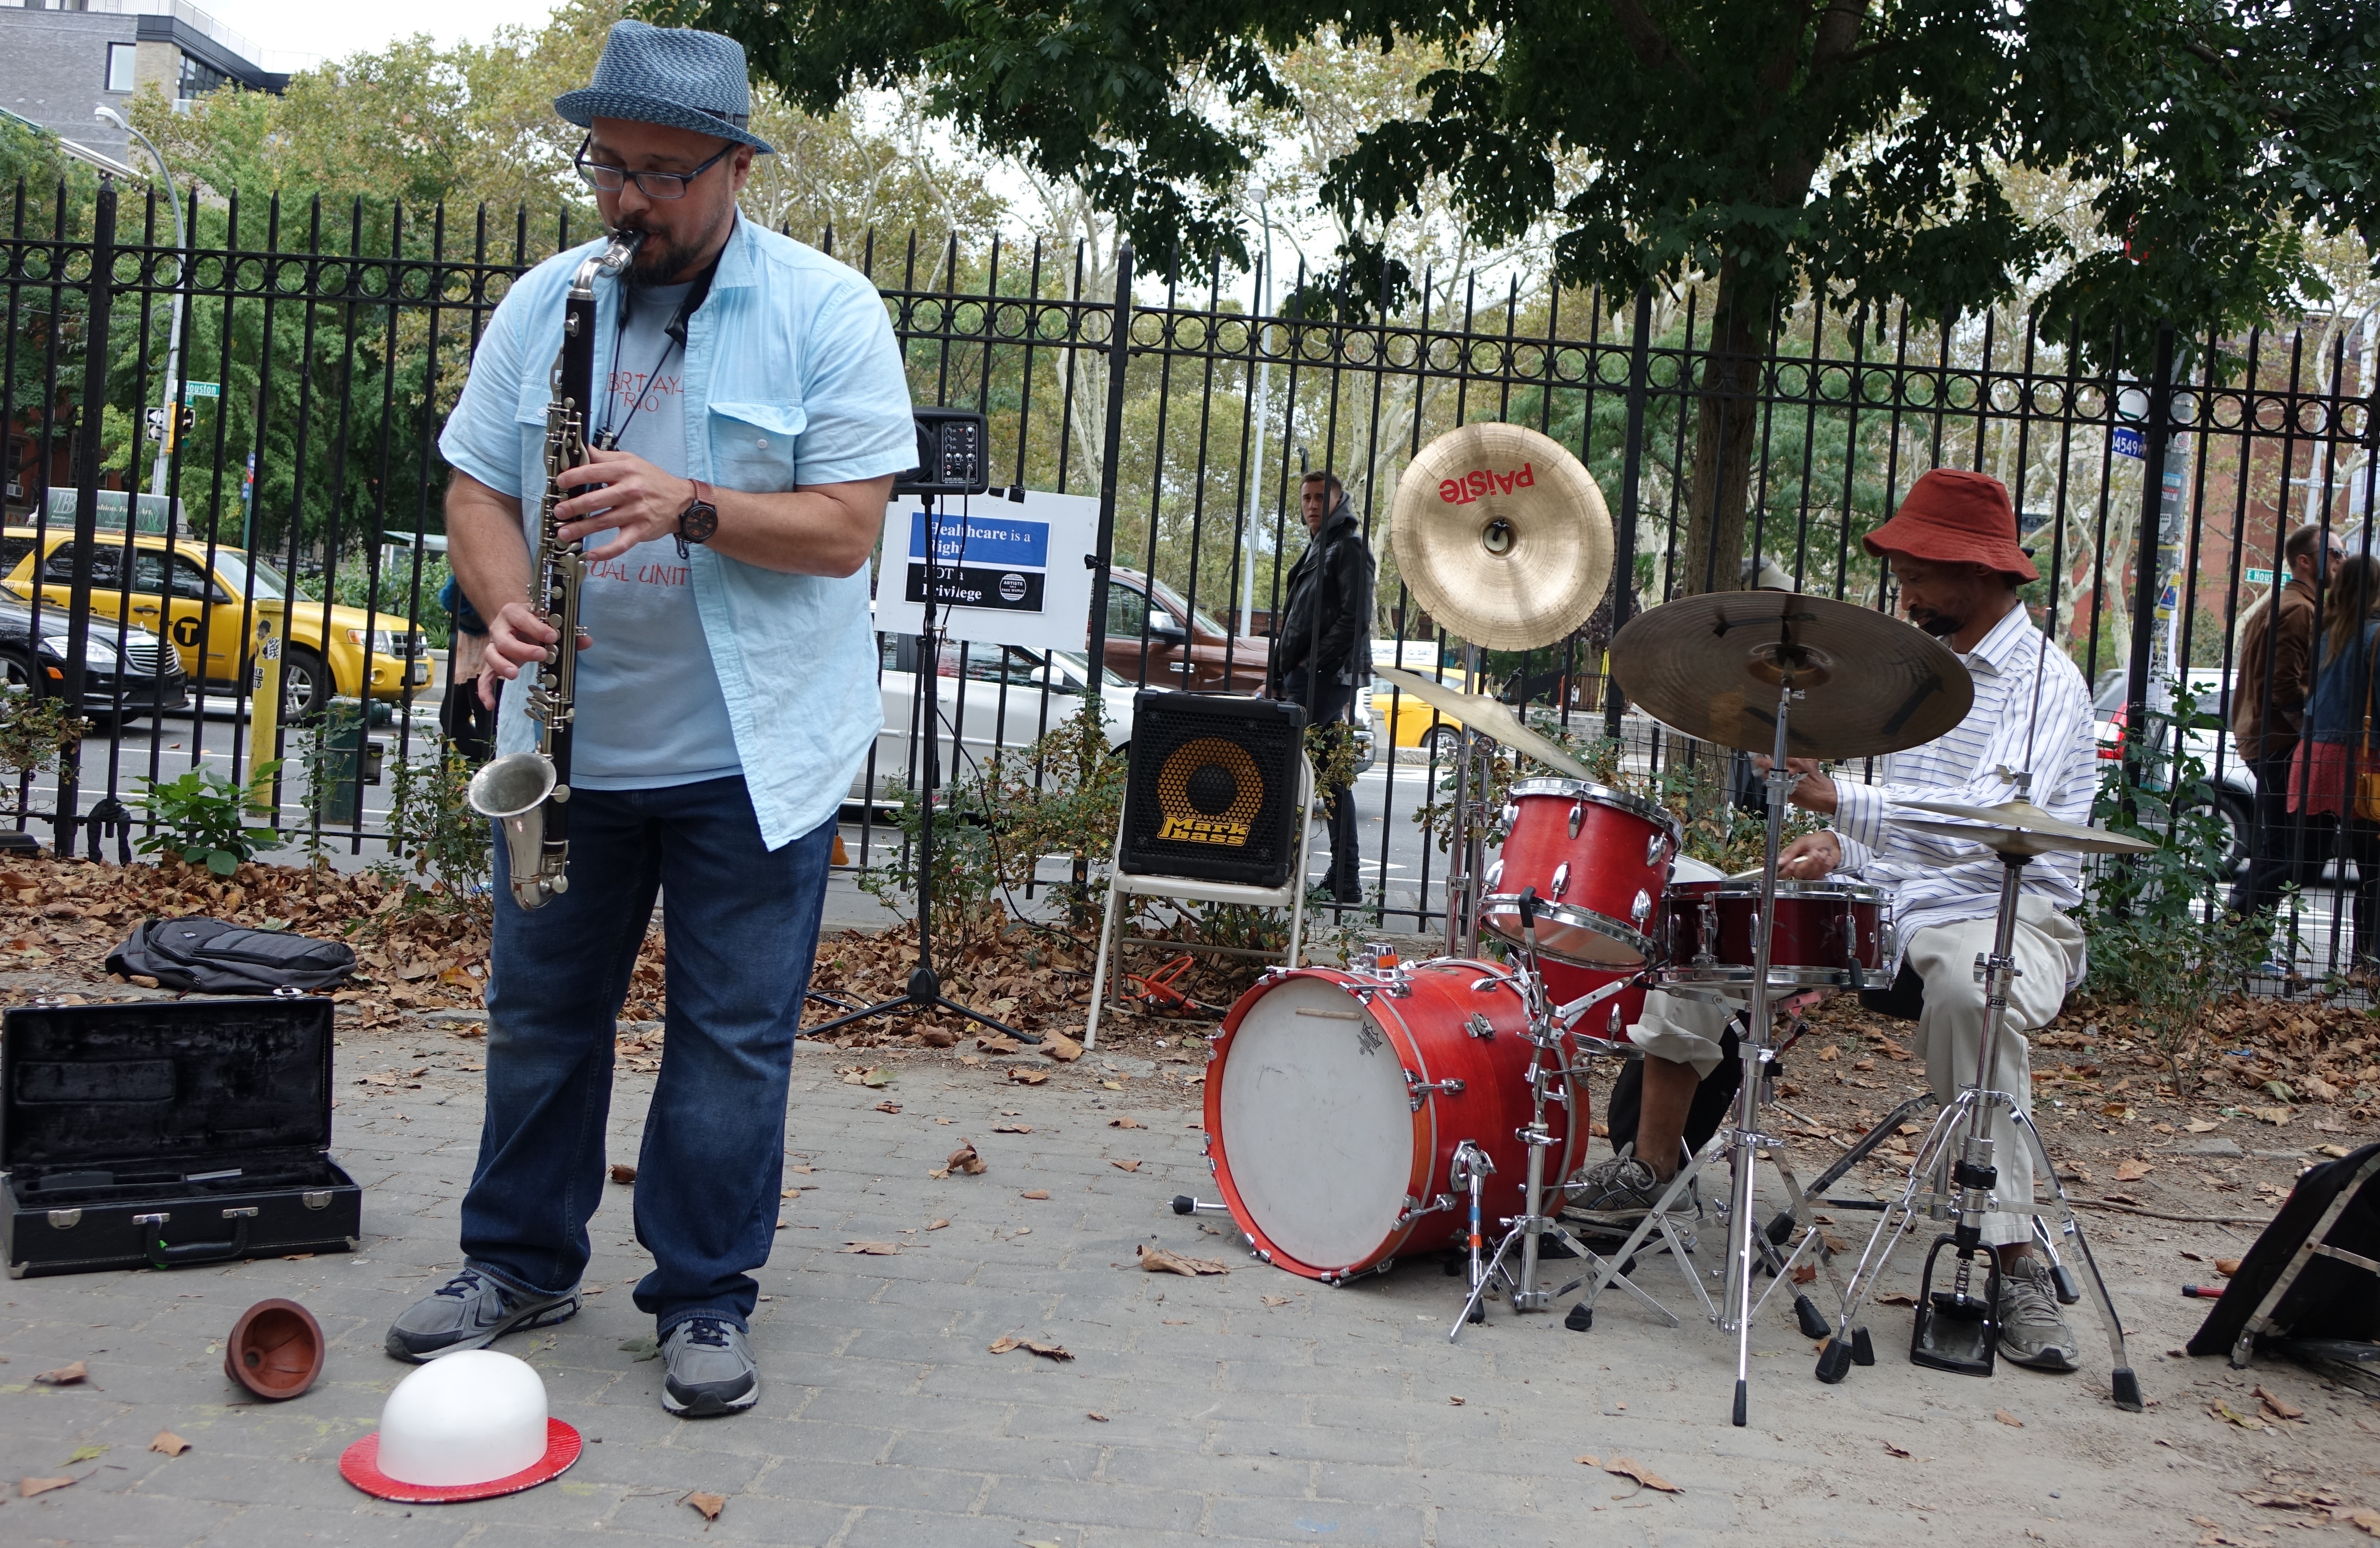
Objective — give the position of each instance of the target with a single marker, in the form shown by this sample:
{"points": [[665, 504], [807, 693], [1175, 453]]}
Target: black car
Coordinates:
{"points": [[141, 677]]}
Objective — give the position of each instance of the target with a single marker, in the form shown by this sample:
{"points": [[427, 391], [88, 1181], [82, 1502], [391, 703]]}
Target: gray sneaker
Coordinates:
{"points": [[1625, 1189], [2032, 1330], [471, 1311], [709, 1369]]}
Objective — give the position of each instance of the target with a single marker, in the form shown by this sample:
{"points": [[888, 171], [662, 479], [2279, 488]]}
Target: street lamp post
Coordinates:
{"points": [[168, 405]]}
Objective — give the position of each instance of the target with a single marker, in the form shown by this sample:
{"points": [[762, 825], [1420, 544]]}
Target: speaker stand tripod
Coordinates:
{"points": [[924, 991], [1955, 1329]]}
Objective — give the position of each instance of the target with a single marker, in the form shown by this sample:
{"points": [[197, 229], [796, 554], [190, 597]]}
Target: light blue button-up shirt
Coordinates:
{"points": [[792, 377]]}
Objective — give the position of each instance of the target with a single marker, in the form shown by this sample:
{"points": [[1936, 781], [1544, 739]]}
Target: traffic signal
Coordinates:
{"points": [[184, 421]]}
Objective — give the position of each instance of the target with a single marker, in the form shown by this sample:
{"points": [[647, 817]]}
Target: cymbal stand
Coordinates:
{"points": [[1466, 840], [1972, 1177], [1526, 1230]]}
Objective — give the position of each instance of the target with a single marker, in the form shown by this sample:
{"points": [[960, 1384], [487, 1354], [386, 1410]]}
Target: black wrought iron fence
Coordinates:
{"points": [[319, 352]]}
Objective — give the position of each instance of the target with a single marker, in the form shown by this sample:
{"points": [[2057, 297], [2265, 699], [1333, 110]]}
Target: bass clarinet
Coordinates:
{"points": [[527, 794]]}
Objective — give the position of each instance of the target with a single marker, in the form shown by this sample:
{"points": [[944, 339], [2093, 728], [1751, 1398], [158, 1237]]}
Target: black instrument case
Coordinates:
{"points": [[160, 1133]]}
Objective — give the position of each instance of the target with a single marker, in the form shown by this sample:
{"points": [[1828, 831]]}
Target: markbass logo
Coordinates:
{"points": [[1209, 791], [1481, 481]]}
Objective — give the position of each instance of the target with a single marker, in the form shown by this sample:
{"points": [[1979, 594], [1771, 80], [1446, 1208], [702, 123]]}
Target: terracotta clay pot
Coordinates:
{"points": [[275, 1349]]}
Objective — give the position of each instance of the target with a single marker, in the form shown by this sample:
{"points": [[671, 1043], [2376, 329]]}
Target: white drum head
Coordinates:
{"points": [[1317, 1126], [1685, 867]]}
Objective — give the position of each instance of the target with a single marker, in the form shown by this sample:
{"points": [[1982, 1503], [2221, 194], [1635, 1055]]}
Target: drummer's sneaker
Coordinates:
{"points": [[2032, 1330], [1624, 1190], [708, 1369]]}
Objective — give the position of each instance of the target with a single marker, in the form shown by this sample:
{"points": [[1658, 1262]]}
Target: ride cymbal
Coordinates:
{"points": [[1490, 718], [1711, 667], [2017, 828], [1502, 536]]}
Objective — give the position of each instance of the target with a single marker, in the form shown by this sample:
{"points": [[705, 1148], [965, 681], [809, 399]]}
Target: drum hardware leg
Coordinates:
{"points": [[2123, 1382], [2069, 1288], [1184, 1204], [1470, 1170]]}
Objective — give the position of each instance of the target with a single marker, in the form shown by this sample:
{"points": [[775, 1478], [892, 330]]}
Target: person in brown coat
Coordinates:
{"points": [[2268, 713]]}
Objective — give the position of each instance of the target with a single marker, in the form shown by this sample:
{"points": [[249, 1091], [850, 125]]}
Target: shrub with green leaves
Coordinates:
{"points": [[204, 820]]}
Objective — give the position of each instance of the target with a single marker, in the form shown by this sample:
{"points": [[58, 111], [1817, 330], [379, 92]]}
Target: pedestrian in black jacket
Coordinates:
{"points": [[1324, 647]]}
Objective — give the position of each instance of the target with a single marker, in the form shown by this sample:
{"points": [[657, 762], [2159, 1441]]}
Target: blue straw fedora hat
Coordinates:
{"points": [[669, 75]]}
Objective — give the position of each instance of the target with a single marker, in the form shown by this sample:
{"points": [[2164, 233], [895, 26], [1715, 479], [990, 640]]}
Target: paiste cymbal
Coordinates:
{"points": [[2017, 828], [1502, 536], [1710, 667], [1491, 718]]}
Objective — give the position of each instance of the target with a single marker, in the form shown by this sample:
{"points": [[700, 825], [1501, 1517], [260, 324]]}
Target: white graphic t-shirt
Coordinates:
{"points": [[650, 710]]}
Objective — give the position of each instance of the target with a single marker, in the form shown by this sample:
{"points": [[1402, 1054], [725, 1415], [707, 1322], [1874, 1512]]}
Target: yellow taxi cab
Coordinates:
{"points": [[1407, 720], [350, 652]]}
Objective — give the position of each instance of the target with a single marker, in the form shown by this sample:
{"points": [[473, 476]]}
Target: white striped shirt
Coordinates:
{"points": [[1943, 881]]}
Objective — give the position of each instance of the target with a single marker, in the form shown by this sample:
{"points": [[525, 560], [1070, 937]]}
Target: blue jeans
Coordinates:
{"points": [[743, 926]]}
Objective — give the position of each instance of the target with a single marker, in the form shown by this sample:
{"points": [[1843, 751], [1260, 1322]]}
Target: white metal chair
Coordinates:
{"points": [[1291, 895]]}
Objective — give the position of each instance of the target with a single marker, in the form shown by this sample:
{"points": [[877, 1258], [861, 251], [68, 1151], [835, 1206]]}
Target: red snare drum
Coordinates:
{"points": [[1598, 858], [1828, 936], [1335, 1102]]}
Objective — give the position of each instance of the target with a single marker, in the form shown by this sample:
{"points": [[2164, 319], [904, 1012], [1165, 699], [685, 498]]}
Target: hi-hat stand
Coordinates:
{"points": [[1967, 1324], [950, 462]]}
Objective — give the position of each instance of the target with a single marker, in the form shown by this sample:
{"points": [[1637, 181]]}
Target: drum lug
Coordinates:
{"points": [[1414, 1209], [1641, 909], [1492, 879], [1577, 817], [1561, 883], [1655, 851], [1210, 1166], [1478, 1026], [1416, 1089], [1206, 1144], [1708, 935]]}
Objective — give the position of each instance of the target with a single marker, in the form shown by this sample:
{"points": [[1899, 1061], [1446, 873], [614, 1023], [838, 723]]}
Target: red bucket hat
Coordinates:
{"points": [[1952, 517]]}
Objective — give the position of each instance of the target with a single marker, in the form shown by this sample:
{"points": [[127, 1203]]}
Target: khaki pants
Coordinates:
{"points": [[2048, 950]]}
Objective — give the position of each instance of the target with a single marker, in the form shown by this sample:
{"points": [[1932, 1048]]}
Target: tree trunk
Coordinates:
{"points": [[1727, 418]]}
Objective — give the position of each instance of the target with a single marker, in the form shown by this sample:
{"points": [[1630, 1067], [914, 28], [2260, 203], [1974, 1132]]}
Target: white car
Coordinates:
{"points": [[2208, 740], [991, 696]]}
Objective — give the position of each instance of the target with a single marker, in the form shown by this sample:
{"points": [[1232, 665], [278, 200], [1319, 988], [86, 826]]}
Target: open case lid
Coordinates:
{"points": [[163, 1080]]}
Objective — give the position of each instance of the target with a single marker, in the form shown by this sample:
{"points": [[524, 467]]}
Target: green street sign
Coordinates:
{"points": [[201, 389]]}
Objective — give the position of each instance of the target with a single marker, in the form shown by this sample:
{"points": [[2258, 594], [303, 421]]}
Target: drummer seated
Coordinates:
{"points": [[1953, 549]]}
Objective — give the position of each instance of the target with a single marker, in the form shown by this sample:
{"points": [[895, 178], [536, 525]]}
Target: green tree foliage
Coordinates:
{"points": [[1855, 150]]}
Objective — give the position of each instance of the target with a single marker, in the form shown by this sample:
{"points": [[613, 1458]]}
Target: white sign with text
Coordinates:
{"points": [[1002, 572]]}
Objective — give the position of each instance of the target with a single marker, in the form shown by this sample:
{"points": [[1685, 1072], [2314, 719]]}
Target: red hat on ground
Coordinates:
{"points": [[1952, 517]]}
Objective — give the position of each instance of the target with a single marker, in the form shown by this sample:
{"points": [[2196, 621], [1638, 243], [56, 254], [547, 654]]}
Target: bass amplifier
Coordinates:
{"points": [[1212, 789]]}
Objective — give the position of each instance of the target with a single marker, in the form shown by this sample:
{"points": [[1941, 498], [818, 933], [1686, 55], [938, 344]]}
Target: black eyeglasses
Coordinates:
{"points": [[652, 185]]}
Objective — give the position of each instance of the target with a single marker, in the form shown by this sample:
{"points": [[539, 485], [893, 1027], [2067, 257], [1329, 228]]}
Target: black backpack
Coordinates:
{"points": [[216, 956]]}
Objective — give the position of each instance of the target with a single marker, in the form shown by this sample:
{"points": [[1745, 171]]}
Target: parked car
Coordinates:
{"points": [[2207, 738], [1407, 719], [1187, 647], [997, 704], [360, 655], [121, 681]]}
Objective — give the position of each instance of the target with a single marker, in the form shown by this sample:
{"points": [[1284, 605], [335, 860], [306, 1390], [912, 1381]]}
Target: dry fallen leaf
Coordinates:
{"points": [[1804, 1273], [2131, 1171], [1059, 1046], [710, 1504], [169, 1443], [805, 1171], [888, 1107], [1024, 1077], [998, 1043], [2281, 1407], [1123, 1123], [1096, 1415], [1628, 1467], [2367, 1520], [2230, 1415], [872, 1249], [1006, 1342], [2203, 1125], [1891, 1450], [2008, 1419], [1156, 1260], [1012, 1129], [1896, 1298], [2226, 1267], [623, 1173], [1829, 1054], [29, 1487], [936, 1224], [1456, 1401], [1035, 1193], [64, 1375], [1111, 1085], [1274, 1300], [1588, 1462], [1126, 1166], [964, 1160]]}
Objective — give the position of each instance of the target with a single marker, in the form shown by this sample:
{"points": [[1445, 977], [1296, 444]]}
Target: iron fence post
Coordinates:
{"points": [[2138, 752], [1110, 461], [1631, 470], [90, 449]]}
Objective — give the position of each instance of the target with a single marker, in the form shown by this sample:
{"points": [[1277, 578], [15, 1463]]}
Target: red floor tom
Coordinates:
{"points": [[1335, 1102]]}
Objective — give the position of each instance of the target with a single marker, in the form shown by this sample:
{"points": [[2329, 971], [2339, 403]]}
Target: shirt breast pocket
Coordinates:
{"points": [[752, 445]]}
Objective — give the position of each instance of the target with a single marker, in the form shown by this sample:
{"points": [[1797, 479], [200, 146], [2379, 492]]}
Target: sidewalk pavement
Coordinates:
{"points": [[1252, 1407]]}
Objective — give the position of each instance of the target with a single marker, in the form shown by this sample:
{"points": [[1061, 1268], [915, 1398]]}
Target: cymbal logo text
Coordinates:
{"points": [[1480, 480]]}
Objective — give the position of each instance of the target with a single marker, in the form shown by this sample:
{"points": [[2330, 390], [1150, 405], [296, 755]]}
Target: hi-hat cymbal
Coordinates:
{"points": [[1502, 536], [2018, 828], [1491, 718], [1711, 667]]}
